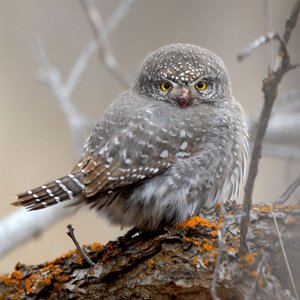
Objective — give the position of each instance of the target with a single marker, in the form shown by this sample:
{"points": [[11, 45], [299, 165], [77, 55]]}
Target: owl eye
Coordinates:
{"points": [[166, 86], [201, 85]]}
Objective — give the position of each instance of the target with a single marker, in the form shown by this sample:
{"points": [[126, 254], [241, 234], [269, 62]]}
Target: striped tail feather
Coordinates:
{"points": [[59, 190]]}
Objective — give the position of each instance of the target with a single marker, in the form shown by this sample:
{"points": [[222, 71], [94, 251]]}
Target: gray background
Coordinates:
{"points": [[36, 145]]}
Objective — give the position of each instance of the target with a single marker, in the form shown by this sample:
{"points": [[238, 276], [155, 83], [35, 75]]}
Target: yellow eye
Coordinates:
{"points": [[201, 85], [166, 86]]}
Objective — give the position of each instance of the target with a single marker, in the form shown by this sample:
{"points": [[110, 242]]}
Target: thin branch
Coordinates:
{"points": [[284, 255], [291, 22], [79, 67], [114, 20], [76, 122], [71, 234], [270, 88], [118, 15], [289, 191], [104, 48], [262, 40], [23, 225]]}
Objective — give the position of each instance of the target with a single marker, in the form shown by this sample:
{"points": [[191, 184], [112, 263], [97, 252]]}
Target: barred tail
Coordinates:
{"points": [[59, 190]]}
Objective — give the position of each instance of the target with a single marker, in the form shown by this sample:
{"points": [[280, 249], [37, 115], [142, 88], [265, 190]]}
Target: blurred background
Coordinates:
{"points": [[36, 145]]}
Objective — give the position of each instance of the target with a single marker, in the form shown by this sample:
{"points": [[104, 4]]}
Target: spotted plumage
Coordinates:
{"points": [[173, 143]]}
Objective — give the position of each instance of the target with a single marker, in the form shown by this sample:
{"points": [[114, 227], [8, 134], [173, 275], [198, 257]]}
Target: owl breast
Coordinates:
{"points": [[205, 149]]}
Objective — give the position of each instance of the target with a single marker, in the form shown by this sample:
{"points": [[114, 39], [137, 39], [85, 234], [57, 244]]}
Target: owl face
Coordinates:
{"points": [[184, 75]]}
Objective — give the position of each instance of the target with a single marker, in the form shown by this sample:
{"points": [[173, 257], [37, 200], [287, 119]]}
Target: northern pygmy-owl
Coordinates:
{"points": [[173, 143]]}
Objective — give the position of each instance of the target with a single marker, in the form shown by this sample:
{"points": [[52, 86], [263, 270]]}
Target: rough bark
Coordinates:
{"points": [[175, 264]]}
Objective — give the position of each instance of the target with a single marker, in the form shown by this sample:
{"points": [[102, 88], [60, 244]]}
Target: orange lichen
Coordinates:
{"points": [[204, 260], [151, 264], [95, 246], [214, 233], [248, 257], [195, 261], [196, 243], [253, 274], [230, 249], [61, 258], [290, 220], [16, 275], [265, 209], [261, 281], [196, 221], [208, 247]]}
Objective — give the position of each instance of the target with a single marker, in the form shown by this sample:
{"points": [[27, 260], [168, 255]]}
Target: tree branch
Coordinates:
{"points": [[270, 87], [104, 48], [178, 265]]}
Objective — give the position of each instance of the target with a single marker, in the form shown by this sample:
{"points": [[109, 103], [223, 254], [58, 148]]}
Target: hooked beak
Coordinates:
{"points": [[183, 96]]}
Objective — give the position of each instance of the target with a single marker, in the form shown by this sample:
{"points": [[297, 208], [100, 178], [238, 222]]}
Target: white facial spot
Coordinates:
{"points": [[109, 159], [164, 153], [183, 154], [127, 160], [184, 145], [182, 133]]}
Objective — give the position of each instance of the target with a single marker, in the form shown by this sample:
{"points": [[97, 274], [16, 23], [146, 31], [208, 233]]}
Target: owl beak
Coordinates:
{"points": [[183, 97]]}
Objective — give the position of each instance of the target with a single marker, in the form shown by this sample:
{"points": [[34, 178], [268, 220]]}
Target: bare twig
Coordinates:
{"points": [[289, 191], [104, 48], [114, 20], [284, 255], [270, 88], [118, 15], [262, 40], [76, 122], [79, 67], [71, 234]]}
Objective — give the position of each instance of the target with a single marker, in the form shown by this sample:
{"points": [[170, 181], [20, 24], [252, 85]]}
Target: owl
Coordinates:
{"points": [[172, 144]]}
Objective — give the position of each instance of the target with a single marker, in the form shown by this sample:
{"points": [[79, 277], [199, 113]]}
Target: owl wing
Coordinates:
{"points": [[132, 142]]}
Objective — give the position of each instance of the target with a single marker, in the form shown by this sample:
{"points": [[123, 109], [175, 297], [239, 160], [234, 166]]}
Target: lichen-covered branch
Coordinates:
{"points": [[178, 263]]}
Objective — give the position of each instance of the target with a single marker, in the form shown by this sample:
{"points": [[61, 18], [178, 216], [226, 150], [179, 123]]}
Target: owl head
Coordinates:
{"points": [[184, 75]]}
